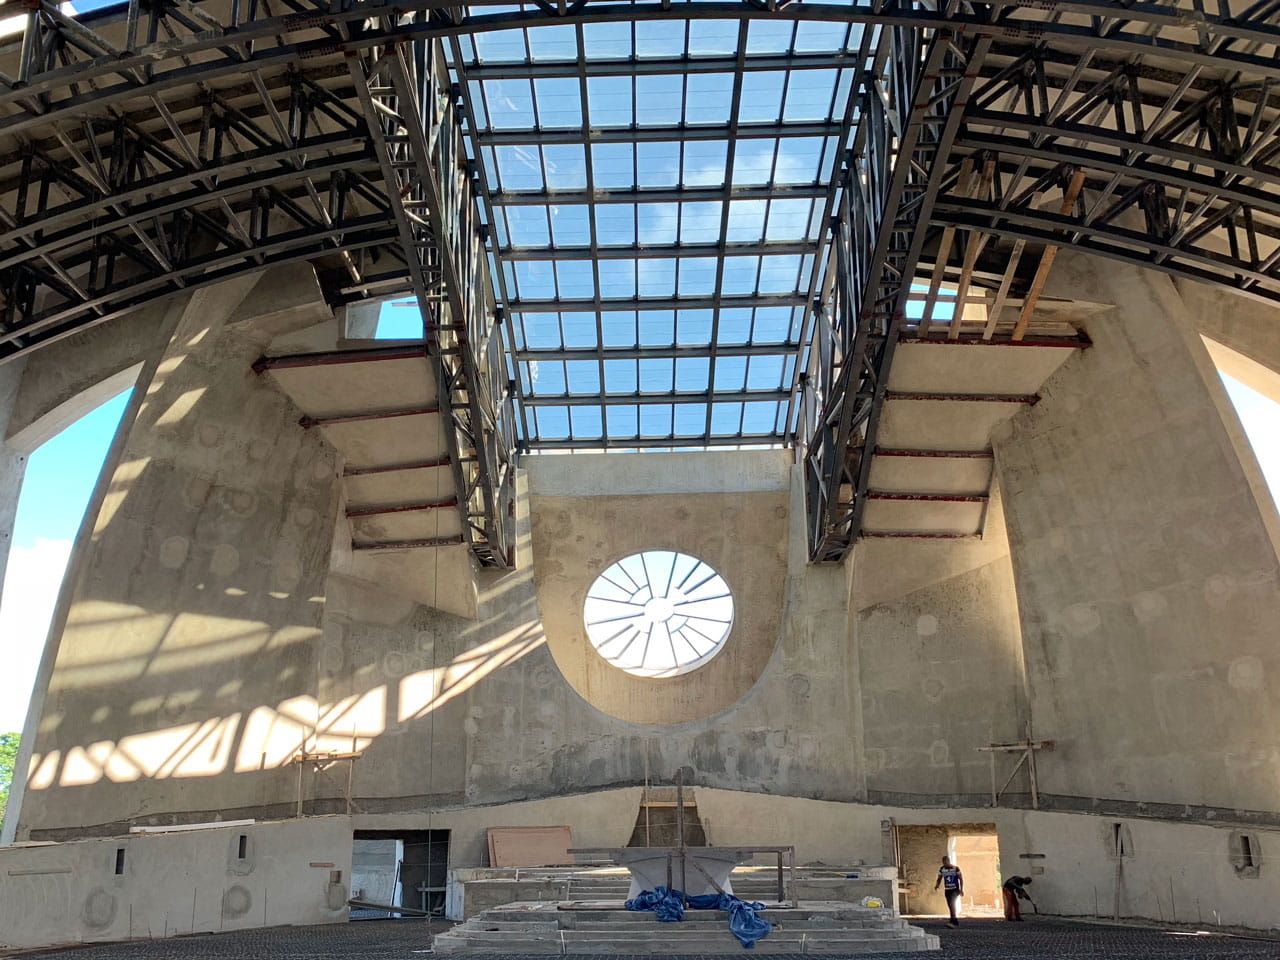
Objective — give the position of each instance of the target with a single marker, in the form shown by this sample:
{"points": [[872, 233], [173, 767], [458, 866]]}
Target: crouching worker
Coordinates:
{"points": [[1013, 892]]}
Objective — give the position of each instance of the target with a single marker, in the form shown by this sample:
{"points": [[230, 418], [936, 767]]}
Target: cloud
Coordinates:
{"points": [[31, 584]]}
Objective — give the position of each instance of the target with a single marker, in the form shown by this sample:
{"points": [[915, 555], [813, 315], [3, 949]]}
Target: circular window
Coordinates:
{"points": [[658, 613]]}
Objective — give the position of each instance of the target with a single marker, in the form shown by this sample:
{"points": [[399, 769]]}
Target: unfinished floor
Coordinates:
{"points": [[977, 940]]}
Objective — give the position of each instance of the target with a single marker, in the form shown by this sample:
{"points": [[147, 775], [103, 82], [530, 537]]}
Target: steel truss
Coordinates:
{"points": [[162, 146]]}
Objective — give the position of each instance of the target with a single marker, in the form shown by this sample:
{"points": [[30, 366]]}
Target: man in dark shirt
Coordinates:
{"points": [[952, 882], [1013, 892]]}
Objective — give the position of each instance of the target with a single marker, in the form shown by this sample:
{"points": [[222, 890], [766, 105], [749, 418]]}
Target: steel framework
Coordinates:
{"points": [[159, 146]]}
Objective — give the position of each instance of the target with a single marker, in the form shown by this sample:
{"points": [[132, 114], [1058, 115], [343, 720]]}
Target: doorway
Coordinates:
{"points": [[399, 868], [973, 847]]}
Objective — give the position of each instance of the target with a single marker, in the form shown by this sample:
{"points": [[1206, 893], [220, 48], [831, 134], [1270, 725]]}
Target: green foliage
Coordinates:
{"points": [[8, 757]]}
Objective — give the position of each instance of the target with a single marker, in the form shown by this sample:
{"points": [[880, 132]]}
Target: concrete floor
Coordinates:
{"points": [[975, 940]]}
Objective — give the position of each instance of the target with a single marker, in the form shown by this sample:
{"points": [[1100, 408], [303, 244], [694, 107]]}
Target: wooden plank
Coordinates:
{"points": [[1046, 260], [944, 251], [1002, 294], [974, 245], [530, 847]]}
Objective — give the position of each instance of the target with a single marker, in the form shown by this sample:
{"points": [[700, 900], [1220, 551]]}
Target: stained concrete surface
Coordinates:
{"points": [[975, 940]]}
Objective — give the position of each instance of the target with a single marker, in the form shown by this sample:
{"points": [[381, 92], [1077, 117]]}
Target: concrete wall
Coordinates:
{"points": [[183, 667], [294, 872], [940, 664], [1147, 577]]}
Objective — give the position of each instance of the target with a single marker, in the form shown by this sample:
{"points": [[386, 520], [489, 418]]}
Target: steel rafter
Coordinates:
{"points": [[406, 93], [910, 116]]}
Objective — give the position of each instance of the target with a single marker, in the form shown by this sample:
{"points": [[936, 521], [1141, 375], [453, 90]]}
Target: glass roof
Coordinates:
{"points": [[656, 192]]}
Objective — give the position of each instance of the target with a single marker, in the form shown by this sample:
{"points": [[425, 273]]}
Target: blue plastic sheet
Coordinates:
{"points": [[668, 905]]}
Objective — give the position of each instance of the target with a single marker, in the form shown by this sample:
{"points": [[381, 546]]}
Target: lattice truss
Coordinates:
{"points": [[646, 224]]}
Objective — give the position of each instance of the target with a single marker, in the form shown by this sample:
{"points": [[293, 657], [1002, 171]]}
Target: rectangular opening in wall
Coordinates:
{"points": [[1246, 855], [399, 868], [1121, 840], [242, 848], [973, 847], [119, 861]]}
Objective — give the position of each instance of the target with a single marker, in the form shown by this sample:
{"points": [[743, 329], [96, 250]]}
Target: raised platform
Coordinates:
{"points": [[476, 889], [604, 927]]}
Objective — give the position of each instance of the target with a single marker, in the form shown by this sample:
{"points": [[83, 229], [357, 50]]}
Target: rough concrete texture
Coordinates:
{"points": [[1147, 580], [191, 625], [13, 461], [149, 886], [1246, 325]]}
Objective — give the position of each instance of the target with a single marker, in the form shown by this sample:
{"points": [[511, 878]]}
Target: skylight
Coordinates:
{"points": [[656, 195]]}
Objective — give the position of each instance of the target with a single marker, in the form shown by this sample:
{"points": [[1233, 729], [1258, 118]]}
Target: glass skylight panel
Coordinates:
{"points": [[788, 220], [746, 220], [476, 92], [615, 224], [764, 373], [709, 98], [583, 376], [690, 419], [731, 373], [559, 102], [656, 278], [761, 96], [510, 104], [759, 416], [809, 95], [753, 161], [713, 38], [700, 222], [613, 166], [620, 376], [552, 422], [655, 420], [659, 100], [579, 330], [500, 46], [658, 164], [692, 374], [697, 276], [657, 328], [535, 280], [566, 166], [798, 159], [586, 422], [735, 325], [693, 327], [527, 226], [772, 325], [548, 44], [570, 225], [619, 328], [740, 274], [519, 168], [726, 419], [769, 36], [779, 273], [576, 279], [657, 375], [609, 100], [659, 38], [617, 279], [657, 224], [550, 378], [820, 36], [704, 163], [622, 421], [607, 41]]}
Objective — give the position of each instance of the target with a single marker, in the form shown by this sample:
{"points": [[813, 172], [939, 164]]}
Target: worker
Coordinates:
{"points": [[1013, 892], [952, 882]]}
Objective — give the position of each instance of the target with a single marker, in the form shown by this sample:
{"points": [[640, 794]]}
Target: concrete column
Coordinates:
{"points": [[181, 678], [1147, 577]]}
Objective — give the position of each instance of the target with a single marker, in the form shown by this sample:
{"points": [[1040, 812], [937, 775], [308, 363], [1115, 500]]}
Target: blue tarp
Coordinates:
{"points": [[744, 921]]}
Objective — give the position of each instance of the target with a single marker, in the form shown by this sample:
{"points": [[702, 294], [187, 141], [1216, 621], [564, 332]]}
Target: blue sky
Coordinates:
{"points": [[61, 475]]}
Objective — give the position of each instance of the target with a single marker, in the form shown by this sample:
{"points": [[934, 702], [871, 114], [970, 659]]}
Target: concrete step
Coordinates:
{"points": [[851, 917]]}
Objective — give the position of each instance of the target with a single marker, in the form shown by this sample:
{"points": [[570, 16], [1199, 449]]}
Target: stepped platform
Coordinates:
{"points": [[474, 890], [604, 927]]}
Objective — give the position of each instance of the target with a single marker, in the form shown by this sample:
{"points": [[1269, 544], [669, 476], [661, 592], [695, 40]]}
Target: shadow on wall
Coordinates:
{"points": [[200, 593]]}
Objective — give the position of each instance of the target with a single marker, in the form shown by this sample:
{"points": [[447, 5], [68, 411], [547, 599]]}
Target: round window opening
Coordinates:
{"points": [[658, 613]]}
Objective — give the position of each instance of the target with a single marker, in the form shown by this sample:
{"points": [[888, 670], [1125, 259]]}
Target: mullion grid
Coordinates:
{"points": [[788, 350]]}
